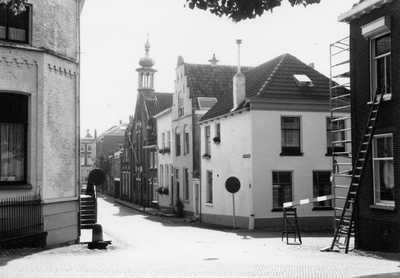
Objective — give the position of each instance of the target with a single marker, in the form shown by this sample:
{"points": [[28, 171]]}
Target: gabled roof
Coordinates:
{"points": [[208, 80], [274, 79], [161, 102]]}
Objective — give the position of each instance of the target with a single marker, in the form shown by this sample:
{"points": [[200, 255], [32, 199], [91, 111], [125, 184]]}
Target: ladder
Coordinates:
{"points": [[290, 226], [345, 224]]}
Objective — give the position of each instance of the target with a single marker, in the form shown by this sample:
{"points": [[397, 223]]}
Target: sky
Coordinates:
{"points": [[114, 33]]}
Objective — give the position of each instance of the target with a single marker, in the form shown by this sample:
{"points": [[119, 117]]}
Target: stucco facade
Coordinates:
{"points": [[46, 70], [165, 160], [248, 139]]}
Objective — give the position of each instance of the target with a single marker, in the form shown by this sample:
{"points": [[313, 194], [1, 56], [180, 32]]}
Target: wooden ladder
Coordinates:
{"points": [[290, 226], [345, 224]]}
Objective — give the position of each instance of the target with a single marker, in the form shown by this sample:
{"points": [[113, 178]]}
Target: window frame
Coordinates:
{"points": [[289, 150], [374, 87], [277, 201], [376, 170], [22, 103], [325, 186], [207, 141], [27, 29], [186, 139], [177, 142], [209, 187], [186, 184], [330, 135]]}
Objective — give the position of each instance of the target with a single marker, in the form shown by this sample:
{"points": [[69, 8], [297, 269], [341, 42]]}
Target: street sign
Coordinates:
{"points": [[97, 177], [232, 184]]}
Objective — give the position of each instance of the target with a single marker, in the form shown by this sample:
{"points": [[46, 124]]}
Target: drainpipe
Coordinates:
{"points": [[77, 107]]}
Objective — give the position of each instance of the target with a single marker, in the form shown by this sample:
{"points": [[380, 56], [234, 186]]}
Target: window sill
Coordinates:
{"points": [[291, 154], [209, 204], [386, 97], [382, 207], [15, 187], [277, 210]]}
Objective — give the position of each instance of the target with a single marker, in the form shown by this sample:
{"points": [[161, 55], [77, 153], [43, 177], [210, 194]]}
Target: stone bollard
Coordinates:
{"points": [[97, 238], [97, 233]]}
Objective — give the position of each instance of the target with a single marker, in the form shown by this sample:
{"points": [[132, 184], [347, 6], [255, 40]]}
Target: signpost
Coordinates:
{"points": [[232, 184]]}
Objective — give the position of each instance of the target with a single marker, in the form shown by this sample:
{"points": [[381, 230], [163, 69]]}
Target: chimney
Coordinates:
{"points": [[311, 65], [239, 83], [213, 61]]}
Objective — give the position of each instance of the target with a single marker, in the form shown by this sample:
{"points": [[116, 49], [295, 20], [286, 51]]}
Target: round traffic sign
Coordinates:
{"points": [[97, 177], [232, 184]]}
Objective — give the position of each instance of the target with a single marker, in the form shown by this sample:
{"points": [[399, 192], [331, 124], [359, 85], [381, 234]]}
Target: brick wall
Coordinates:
{"points": [[377, 229]]}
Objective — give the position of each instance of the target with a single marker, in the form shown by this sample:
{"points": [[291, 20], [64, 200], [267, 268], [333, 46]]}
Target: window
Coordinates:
{"points": [[155, 185], [181, 110], [209, 188], [380, 65], [383, 169], [290, 135], [161, 175], [155, 160], [151, 160], [282, 188], [82, 159], [207, 140], [322, 187], [13, 138], [89, 148], [14, 28], [166, 176], [186, 183], [335, 135], [163, 140], [177, 142], [186, 139], [168, 139], [218, 131], [206, 103], [82, 148]]}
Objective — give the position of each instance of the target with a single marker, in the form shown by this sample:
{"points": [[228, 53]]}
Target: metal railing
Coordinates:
{"points": [[20, 216]]}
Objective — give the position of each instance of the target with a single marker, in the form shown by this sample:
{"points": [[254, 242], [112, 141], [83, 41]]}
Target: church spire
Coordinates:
{"points": [[146, 73]]}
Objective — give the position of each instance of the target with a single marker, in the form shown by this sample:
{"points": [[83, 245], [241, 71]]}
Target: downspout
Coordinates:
{"points": [[77, 107]]}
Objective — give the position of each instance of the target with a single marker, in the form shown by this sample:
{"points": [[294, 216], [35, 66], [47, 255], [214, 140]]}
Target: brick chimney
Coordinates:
{"points": [[239, 83]]}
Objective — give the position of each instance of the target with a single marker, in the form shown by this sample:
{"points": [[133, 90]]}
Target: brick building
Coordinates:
{"points": [[141, 152], [374, 67]]}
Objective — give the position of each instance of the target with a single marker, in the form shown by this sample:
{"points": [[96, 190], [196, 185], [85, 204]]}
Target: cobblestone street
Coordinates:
{"points": [[144, 245]]}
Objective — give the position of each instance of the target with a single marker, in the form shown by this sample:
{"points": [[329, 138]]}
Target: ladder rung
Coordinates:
{"points": [[340, 96], [341, 186], [341, 118], [341, 141], [341, 130], [342, 107]]}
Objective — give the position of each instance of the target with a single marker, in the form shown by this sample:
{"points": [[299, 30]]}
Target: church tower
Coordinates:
{"points": [[146, 74]]}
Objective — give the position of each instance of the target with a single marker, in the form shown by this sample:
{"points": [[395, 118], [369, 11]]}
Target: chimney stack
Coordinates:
{"points": [[239, 83]]}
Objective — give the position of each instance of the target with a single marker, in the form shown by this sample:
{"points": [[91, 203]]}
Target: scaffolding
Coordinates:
{"points": [[340, 125]]}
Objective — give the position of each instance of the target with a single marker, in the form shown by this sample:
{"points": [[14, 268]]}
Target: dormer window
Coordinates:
{"points": [[303, 80], [206, 102]]}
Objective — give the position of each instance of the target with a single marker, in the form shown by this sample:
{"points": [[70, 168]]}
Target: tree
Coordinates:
{"points": [[239, 10], [16, 5], [103, 163]]}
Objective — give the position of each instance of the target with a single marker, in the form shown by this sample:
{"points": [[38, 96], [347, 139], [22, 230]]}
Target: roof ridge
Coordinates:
{"points": [[266, 83]]}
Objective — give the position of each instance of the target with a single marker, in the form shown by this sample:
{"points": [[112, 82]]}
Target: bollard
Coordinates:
{"points": [[97, 238], [251, 222], [97, 233]]}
